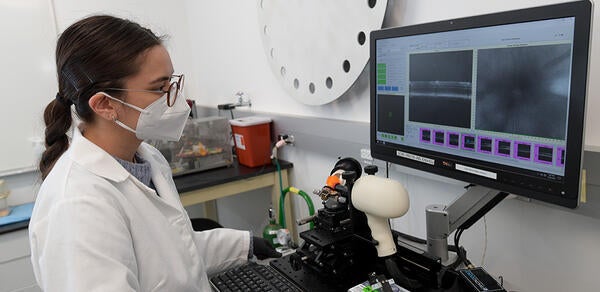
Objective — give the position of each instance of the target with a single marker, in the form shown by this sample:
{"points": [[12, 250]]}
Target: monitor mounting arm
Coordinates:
{"points": [[465, 210]]}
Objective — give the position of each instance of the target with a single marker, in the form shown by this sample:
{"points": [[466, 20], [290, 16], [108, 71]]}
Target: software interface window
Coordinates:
{"points": [[475, 92]]}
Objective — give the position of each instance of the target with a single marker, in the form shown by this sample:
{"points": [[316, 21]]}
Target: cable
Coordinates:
{"points": [[485, 241], [387, 169], [462, 254], [400, 277], [456, 238]]}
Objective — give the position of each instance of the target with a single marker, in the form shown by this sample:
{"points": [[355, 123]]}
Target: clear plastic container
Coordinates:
{"points": [[4, 192], [205, 144]]}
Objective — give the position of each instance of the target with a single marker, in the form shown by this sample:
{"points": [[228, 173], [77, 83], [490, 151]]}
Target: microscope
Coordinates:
{"points": [[340, 247], [352, 237]]}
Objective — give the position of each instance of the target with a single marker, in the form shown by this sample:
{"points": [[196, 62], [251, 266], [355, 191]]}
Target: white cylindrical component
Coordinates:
{"points": [[380, 230], [380, 199]]}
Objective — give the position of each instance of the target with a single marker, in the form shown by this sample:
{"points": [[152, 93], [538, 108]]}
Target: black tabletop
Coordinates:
{"points": [[217, 176]]}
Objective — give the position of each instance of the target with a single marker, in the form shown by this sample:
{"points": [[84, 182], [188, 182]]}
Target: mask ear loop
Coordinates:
{"points": [[114, 117], [139, 109]]}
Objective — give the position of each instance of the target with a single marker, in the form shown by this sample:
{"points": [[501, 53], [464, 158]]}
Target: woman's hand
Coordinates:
{"points": [[263, 249]]}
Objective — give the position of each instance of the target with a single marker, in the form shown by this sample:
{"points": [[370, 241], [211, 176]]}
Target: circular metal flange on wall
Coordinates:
{"points": [[318, 48]]}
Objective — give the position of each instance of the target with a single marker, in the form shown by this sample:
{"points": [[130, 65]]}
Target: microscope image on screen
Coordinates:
{"points": [[517, 86], [440, 88], [390, 111]]}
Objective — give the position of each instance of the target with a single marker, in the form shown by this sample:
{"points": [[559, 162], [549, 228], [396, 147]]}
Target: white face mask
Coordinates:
{"points": [[158, 120]]}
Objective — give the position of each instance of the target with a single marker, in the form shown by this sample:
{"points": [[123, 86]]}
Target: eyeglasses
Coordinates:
{"points": [[172, 92]]}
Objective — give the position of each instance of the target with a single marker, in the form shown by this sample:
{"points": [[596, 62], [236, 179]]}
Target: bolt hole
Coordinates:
{"points": [[282, 71], [329, 82], [265, 30], [311, 87], [361, 38], [296, 83], [372, 3], [346, 66], [272, 53]]}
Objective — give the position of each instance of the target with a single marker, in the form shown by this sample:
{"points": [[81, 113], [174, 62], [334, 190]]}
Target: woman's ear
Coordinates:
{"points": [[103, 106]]}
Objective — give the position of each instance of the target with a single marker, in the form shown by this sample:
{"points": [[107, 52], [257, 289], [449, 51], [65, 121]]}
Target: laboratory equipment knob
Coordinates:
{"points": [[296, 262], [349, 175], [341, 189], [371, 169]]}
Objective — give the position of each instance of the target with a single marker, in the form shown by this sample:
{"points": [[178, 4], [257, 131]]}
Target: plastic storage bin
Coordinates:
{"points": [[252, 136], [205, 144]]}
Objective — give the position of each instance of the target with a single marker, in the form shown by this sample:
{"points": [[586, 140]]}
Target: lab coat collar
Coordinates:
{"points": [[95, 159]]}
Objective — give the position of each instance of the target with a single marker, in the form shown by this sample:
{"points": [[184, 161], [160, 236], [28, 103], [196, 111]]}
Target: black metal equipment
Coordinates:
{"points": [[339, 248], [340, 252]]}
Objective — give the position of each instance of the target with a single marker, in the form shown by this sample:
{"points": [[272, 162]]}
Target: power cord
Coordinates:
{"points": [[485, 241], [462, 255]]}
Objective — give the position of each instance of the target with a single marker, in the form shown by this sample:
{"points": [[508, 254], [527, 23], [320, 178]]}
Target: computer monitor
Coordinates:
{"points": [[496, 100]]}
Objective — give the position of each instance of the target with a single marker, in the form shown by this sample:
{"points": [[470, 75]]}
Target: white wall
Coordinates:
{"points": [[228, 55], [164, 18], [534, 247]]}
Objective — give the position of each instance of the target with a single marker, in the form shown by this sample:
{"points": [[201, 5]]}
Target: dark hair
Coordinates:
{"points": [[92, 54]]}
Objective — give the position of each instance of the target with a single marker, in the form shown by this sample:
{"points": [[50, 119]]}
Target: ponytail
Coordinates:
{"points": [[93, 54], [57, 117]]}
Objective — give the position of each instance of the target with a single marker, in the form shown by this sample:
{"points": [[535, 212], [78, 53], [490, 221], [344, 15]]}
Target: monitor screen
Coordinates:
{"points": [[496, 100]]}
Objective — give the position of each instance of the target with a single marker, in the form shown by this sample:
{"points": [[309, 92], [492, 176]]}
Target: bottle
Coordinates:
{"points": [[270, 231]]}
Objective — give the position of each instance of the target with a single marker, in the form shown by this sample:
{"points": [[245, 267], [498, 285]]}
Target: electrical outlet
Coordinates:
{"points": [[366, 154], [289, 139]]}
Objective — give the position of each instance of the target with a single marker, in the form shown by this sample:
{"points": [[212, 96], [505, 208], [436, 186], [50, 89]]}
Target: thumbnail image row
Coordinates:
{"points": [[502, 147]]}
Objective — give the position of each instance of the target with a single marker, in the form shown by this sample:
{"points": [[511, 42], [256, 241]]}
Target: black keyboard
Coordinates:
{"points": [[252, 277]]}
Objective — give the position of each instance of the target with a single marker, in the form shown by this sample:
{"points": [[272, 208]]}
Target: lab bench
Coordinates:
{"points": [[207, 186]]}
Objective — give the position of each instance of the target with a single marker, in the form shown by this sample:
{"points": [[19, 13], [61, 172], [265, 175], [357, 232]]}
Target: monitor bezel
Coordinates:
{"points": [[581, 11]]}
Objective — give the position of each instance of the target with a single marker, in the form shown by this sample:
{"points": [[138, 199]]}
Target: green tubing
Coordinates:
{"points": [[281, 196], [309, 203], [307, 199], [282, 207]]}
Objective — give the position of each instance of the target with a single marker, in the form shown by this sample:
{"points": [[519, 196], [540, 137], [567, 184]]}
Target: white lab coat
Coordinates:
{"points": [[95, 227]]}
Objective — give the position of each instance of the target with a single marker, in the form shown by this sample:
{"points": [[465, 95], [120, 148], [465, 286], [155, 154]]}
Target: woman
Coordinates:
{"points": [[108, 216]]}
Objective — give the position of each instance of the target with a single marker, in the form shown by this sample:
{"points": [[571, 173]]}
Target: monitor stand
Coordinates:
{"points": [[463, 212]]}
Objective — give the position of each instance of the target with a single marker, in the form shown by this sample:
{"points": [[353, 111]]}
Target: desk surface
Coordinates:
{"points": [[217, 176]]}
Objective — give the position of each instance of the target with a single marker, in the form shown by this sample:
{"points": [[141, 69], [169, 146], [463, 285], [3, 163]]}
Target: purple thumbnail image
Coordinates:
{"points": [[560, 156], [522, 150], [439, 137], [543, 154], [453, 139], [484, 144], [502, 147], [425, 135], [468, 142]]}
